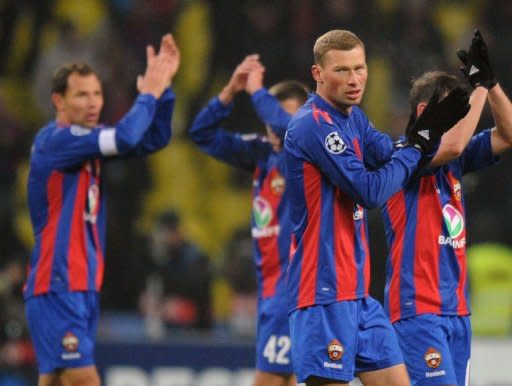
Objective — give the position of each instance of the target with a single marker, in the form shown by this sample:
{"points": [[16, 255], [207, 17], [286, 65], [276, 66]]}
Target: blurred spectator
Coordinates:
{"points": [[241, 275], [416, 44], [178, 288], [10, 22], [70, 47], [16, 353]]}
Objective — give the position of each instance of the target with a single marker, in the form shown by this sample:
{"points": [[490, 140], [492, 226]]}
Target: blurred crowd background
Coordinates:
{"points": [[179, 248]]}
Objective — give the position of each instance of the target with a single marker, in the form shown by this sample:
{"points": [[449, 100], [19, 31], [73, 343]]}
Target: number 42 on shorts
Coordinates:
{"points": [[277, 349]]}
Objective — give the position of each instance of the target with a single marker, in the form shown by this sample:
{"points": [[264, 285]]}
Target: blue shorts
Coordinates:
{"points": [[63, 329], [340, 340], [273, 343], [436, 349]]}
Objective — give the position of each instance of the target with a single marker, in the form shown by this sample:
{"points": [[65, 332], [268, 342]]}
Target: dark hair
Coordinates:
{"points": [[61, 75], [288, 89], [431, 83]]}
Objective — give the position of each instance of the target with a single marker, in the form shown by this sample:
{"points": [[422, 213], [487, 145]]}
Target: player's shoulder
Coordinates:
{"points": [[309, 118]]}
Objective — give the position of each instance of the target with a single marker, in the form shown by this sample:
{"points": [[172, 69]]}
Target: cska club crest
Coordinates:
{"points": [[70, 342], [433, 358], [335, 350], [277, 184]]}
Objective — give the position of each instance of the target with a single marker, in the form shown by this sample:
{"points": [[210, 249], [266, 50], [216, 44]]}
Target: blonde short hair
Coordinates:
{"points": [[336, 39]]}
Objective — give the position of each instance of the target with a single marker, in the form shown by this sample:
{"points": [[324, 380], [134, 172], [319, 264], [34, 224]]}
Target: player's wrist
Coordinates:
{"points": [[227, 95]]}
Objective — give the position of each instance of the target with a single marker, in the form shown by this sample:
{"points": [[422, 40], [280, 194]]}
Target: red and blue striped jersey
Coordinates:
{"points": [[271, 241], [66, 196], [426, 233], [331, 176]]}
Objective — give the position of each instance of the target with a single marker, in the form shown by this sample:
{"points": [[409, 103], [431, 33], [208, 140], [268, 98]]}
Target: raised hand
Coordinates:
{"points": [[169, 49], [476, 66], [437, 118], [255, 80], [157, 75], [238, 80]]}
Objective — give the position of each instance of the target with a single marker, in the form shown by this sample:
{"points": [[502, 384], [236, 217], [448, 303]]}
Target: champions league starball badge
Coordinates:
{"points": [[334, 143]]}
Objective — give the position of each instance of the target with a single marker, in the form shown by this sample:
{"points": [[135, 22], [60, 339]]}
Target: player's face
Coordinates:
{"points": [[82, 102], [341, 78], [290, 105]]}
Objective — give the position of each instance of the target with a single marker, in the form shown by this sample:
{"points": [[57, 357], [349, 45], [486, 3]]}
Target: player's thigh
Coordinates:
{"points": [[60, 327], [377, 347], [461, 348], [273, 342], [324, 342], [317, 381], [83, 376], [427, 354], [390, 376], [263, 378], [48, 380]]}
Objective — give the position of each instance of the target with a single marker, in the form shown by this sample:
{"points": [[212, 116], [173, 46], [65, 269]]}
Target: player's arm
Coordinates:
{"points": [[378, 147], [455, 140], [326, 148], [238, 150], [73, 144], [159, 133], [266, 105], [501, 108], [233, 148]]}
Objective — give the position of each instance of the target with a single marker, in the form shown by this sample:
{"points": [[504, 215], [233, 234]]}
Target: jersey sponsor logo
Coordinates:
{"points": [[263, 215], [334, 144], [335, 350], [79, 131], [277, 184], [259, 233], [262, 212], [453, 243], [433, 358], [454, 221]]}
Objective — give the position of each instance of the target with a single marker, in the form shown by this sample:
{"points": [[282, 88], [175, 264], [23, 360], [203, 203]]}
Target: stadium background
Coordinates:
{"points": [[403, 39]]}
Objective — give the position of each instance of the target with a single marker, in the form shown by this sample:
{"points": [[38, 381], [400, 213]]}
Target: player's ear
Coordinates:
{"points": [[316, 71], [58, 101], [420, 107]]}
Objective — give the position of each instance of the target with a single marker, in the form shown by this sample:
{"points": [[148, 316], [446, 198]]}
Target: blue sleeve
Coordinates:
{"points": [[379, 147], [71, 145], [478, 153], [242, 151], [159, 133], [270, 111], [328, 149]]}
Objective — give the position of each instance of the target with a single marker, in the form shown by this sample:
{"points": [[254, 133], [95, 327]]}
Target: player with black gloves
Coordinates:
{"points": [[337, 165], [426, 286]]}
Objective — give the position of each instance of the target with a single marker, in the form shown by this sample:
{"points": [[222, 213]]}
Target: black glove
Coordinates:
{"points": [[437, 118], [476, 67]]}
